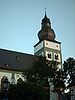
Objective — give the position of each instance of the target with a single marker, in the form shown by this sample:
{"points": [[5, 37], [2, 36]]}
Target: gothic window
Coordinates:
{"points": [[56, 57], [49, 55], [19, 80], [4, 83]]}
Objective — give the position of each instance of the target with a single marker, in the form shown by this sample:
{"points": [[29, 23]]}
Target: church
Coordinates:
{"points": [[12, 63]]}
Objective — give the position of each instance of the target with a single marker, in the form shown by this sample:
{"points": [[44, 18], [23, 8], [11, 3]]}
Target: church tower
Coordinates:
{"points": [[47, 45]]}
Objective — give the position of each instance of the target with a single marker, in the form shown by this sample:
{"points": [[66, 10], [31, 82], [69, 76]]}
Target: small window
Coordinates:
{"points": [[18, 57], [7, 64], [56, 45], [49, 55], [46, 43]]}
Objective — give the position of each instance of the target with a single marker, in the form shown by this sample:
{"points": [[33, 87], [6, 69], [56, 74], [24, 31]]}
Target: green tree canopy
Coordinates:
{"points": [[42, 70], [69, 68], [24, 91]]}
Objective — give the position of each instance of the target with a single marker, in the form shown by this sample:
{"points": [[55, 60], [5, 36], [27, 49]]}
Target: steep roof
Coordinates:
{"points": [[12, 60]]}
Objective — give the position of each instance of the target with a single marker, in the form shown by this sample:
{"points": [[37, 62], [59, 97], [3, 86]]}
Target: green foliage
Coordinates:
{"points": [[69, 69], [42, 70], [59, 81], [25, 91]]}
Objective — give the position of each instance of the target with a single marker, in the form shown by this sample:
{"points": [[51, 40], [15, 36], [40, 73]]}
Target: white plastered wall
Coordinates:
{"points": [[8, 74]]}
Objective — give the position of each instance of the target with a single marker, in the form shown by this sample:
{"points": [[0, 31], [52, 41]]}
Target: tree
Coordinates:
{"points": [[59, 81], [24, 91], [69, 69], [42, 70]]}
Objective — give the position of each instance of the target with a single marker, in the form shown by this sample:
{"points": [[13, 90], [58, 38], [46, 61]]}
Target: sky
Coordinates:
{"points": [[20, 22]]}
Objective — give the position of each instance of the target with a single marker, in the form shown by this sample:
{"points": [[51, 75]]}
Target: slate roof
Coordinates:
{"points": [[12, 60]]}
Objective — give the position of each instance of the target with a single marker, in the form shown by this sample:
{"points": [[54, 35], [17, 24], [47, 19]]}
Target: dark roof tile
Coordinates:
{"points": [[12, 60]]}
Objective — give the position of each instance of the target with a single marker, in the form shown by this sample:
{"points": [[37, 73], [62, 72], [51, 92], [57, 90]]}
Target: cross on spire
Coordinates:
{"points": [[45, 11]]}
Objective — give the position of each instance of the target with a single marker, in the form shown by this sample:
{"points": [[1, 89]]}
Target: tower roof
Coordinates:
{"points": [[46, 31]]}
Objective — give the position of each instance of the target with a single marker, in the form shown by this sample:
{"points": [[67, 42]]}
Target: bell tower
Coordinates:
{"points": [[47, 45]]}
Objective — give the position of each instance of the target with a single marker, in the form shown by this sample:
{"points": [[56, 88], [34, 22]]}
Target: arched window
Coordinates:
{"points": [[4, 83], [19, 80]]}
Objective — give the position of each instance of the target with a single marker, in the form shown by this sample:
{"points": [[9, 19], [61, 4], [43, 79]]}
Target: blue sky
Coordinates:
{"points": [[20, 21]]}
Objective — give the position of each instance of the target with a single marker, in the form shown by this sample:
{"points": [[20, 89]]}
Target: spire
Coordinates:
{"points": [[45, 11], [45, 14]]}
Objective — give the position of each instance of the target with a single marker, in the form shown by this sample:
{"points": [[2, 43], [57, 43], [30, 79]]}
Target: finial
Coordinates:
{"points": [[45, 11]]}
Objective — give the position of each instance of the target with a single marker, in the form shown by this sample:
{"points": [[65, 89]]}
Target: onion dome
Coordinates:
{"points": [[46, 31]]}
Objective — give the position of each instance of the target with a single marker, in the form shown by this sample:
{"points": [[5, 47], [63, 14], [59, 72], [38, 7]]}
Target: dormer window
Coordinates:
{"points": [[18, 57], [7, 64]]}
